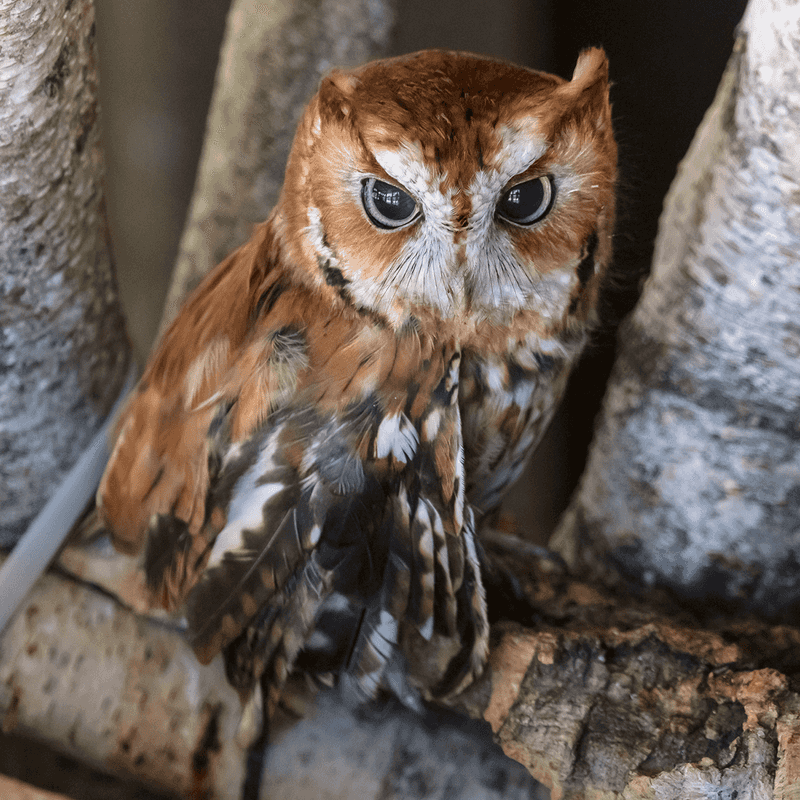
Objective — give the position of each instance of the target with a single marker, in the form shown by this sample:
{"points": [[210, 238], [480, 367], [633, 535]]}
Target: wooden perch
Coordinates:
{"points": [[126, 694], [603, 695]]}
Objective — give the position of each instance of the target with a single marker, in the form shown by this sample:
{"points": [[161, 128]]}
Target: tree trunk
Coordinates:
{"points": [[273, 56], [63, 348], [693, 480]]}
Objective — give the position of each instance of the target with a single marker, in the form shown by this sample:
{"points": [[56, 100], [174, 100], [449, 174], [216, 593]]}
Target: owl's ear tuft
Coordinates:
{"points": [[591, 69], [336, 95], [587, 92]]}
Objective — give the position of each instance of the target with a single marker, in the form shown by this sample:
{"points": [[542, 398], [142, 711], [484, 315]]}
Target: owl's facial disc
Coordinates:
{"points": [[459, 187]]}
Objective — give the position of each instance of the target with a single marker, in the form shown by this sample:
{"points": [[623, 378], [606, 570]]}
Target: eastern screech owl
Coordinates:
{"points": [[340, 404]]}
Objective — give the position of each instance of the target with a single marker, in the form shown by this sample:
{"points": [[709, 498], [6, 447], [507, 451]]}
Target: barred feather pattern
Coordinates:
{"points": [[313, 447]]}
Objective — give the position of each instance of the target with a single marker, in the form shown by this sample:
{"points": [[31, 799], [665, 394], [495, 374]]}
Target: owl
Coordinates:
{"points": [[310, 454]]}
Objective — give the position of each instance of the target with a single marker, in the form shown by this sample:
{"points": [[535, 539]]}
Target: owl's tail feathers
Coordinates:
{"points": [[264, 654], [376, 661], [473, 624], [268, 649], [432, 581]]}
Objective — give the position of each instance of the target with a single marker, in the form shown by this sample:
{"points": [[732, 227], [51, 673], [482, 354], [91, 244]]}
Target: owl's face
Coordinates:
{"points": [[450, 185]]}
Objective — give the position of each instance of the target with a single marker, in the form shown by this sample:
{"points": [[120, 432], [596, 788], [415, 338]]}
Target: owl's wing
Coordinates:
{"points": [[282, 457], [507, 402], [159, 467], [347, 504]]}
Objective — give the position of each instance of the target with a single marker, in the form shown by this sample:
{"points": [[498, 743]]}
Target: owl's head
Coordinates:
{"points": [[448, 185]]}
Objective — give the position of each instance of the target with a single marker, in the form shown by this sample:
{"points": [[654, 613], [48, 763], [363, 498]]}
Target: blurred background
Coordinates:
{"points": [[157, 65]]}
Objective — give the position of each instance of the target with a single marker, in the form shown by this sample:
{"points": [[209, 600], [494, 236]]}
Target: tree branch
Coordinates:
{"points": [[605, 694], [693, 480]]}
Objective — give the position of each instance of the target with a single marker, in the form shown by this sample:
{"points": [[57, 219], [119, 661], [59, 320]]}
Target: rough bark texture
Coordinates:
{"points": [[126, 694], [694, 476], [63, 349], [115, 690], [604, 696], [607, 696], [272, 59]]}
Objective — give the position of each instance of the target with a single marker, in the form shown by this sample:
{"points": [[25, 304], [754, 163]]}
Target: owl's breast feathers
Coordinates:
{"points": [[280, 450]]}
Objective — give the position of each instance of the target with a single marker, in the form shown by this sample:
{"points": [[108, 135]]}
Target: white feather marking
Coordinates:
{"points": [[426, 630], [246, 509], [205, 366], [521, 145], [426, 512], [233, 452], [405, 508], [407, 166], [452, 375], [432, 423], [495, 377], [554, 290], [314, 535], [398, 437], [316, 235], [523, 393], [385, 636], [458, 511], [547, 346]]}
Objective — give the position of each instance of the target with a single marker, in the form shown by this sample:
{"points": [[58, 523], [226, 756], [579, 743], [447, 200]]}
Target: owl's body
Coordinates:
{"points": [[342, 402]]}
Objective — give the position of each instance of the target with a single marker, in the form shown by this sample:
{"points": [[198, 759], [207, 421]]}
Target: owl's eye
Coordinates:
{"points": [[527, 202], [386, 205]]}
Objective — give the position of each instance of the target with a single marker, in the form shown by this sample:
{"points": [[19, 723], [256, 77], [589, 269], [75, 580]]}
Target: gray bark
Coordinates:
{"points": [[63, 349], [693, 481], [125, 694], [272, 59], [608, 697]]}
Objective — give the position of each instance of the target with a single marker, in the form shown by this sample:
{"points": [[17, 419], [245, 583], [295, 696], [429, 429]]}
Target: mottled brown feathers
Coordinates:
{"points": [[338, 406]]}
